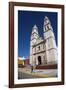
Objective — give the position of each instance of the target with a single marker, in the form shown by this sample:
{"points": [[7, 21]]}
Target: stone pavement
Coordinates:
{"points": [[41, 73]]}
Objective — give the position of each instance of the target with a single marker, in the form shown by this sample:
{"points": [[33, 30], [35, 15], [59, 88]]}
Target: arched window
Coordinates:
{"points": [[38, 47]]}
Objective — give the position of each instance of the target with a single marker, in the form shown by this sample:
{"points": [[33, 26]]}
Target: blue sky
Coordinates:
{"points": [[26, 20]]}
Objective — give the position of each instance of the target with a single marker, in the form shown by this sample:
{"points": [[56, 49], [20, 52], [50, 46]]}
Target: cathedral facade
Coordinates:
{"points": [[43, 51]]}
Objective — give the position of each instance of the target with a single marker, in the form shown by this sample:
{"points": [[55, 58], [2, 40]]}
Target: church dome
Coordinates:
{"points": [[34, 34], [46, 20], [35, 29]]}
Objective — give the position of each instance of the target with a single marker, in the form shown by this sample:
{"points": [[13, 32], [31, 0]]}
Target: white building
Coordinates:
{"points": [[43, 50]]}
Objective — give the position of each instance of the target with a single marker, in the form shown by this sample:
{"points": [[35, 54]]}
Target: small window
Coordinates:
{"points": [[38, 47]]}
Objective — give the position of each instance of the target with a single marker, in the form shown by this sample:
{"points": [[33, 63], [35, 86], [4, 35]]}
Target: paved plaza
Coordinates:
{"points": [[24, 73]]}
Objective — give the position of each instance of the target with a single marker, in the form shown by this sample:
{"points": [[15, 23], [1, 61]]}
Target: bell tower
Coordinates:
{"points": [[33, 39], [51, 48]]}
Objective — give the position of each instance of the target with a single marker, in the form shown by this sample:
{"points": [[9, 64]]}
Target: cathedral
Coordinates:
{"points": [[43, 51]]}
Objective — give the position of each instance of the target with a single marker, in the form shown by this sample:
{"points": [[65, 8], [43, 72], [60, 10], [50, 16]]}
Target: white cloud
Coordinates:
{"points": [[22, 58]]}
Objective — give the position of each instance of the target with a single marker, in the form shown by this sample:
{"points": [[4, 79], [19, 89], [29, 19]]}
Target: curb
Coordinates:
{"points": [[42, 76]]}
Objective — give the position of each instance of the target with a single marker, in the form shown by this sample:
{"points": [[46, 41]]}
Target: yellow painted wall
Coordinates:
{"points": [[20, 62]]}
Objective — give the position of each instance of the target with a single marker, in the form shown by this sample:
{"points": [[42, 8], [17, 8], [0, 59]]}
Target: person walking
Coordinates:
{"points": [[31, 69]]}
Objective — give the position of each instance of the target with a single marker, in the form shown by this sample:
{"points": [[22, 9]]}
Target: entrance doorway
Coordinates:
{"points": [[39, 60]]}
